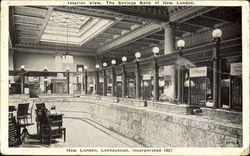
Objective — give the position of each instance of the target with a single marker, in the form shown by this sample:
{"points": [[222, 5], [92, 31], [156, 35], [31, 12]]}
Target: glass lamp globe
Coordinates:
{"points": [[67, 68], [181, 43], [124, 58], [80, 69], [113, 61], [155, 50], [137, 54], [104, 64], [217, 33], [22, 67], [85, 67], [97, 66]]}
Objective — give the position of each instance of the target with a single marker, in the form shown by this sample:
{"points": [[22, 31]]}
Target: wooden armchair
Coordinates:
{"points": [[49, 129], [22, 119], [22, 113], [39, 106]]}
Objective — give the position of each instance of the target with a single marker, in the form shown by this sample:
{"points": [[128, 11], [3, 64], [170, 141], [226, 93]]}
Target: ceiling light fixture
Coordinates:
{"points": [[67, 58]]}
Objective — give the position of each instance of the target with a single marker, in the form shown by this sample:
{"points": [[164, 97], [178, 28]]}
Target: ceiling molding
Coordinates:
{"points": [[45, 22], [46, 51], [133, 35], [80, 49], [188, 13], [127, 13]]}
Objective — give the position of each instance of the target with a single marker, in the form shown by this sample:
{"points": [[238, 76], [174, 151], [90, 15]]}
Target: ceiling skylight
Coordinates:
{"points": [[73, 28]]}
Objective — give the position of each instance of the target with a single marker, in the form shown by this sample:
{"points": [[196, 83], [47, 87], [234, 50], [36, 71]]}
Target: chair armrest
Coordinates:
{"points": [[57, 121]]}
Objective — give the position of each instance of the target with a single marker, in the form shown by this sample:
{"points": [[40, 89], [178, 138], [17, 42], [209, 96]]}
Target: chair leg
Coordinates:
{"points": [[50, 139], [64, 134], [41, 137]]}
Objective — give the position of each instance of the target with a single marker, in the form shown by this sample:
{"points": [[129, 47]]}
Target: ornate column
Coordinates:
{"points": [[169, 71]]}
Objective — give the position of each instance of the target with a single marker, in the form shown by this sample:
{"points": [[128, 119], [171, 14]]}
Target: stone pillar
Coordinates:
{"points": [[169, 71], [113, 81], [105, 87], [216, 72], [97, 82], [156, 80], [86, 82], [124, 81], [137, 81]]}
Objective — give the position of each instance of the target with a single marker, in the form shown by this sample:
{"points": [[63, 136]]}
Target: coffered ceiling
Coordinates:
{"points": [[113, 30]]}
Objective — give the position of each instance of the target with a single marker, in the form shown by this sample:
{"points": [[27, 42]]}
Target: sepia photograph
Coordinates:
{"points": [[124, 77]]}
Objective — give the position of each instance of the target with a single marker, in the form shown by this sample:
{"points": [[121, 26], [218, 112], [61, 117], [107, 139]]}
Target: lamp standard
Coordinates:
{"points": [[67, 75], [124, 77], [86, 79], [217, 33], [156, 51], [45, 79], [97, 78], [137, 76], [22, 78], [180, 45], [104, 79], [113, 62]]}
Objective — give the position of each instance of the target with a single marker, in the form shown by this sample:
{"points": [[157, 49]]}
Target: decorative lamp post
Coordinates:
{"points": [[86, 79], [97, 78], [137, 76], [45, 79], [124, 59], [113, 62], [156, 51], [124, 77], [22, 78], [67, 75], [180, 45], [216, 34], [105, 87]]}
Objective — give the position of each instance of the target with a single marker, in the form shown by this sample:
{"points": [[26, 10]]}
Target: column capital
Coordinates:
{"points": [[169, 25]]}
